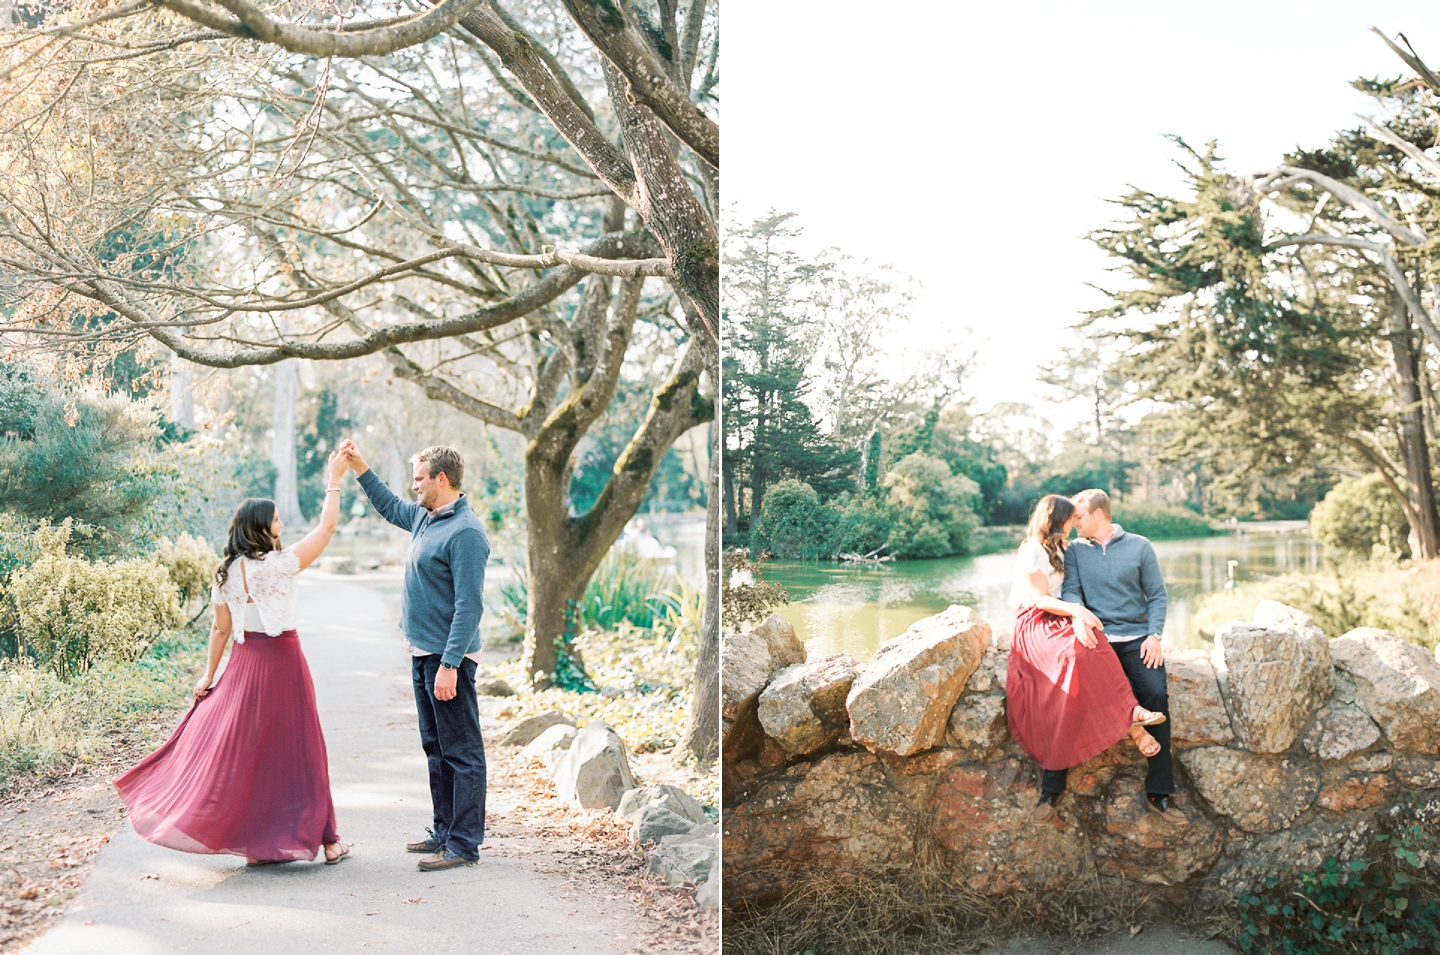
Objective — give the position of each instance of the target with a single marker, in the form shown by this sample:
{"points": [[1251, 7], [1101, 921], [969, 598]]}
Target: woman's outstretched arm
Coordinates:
{"points": [[313, 543], [219, 636]]}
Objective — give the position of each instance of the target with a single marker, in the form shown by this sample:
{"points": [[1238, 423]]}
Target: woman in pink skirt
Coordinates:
{"points": [[1066, 697], [245, 773]]}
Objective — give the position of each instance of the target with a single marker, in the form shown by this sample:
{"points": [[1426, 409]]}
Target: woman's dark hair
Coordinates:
{"points": [[249, 534], [1047, 524]]}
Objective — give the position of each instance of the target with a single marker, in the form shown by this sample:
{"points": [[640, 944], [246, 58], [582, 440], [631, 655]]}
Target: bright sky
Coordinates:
{"points": [[973, 146]]}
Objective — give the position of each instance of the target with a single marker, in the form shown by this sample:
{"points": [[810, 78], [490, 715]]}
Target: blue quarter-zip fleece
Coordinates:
{"points": [[1119, 581], [441, 604]]}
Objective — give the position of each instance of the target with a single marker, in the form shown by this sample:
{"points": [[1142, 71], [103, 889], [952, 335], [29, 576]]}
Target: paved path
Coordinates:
{"points": [[371, 901]]}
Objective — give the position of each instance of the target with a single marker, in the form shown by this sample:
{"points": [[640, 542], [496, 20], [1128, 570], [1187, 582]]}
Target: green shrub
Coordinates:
{"points": [[866, 520], [72, 611], [1385, 903], [1359, 515], [933, 509], [191, 563], [794, 524], [1161, 523]]}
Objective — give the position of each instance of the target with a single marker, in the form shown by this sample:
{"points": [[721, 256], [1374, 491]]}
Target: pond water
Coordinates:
{"points": [[845, 609]]}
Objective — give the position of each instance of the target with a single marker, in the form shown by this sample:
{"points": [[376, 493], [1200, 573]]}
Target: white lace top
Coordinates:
{"points": [[1031, 558], [271, 582]]}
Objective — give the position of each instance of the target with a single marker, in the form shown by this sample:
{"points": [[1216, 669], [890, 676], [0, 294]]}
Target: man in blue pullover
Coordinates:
{"points": [[1117, 577], [440, 616]]}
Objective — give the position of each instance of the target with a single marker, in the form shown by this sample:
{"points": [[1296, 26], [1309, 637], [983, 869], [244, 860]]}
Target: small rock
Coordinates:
{"points": [[901, 700], [530, 727], [1278, 674], [669, 797], [803, 708], [1340, 730], [594, 772], [682, 859], [550, 745], [708, 895], [495, 687], [655, 822], [1397, 683], [977, 724], [748, 660], [1418, 772]]}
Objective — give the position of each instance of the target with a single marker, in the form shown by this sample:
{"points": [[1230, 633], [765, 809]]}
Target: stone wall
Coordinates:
{"points": [[1287, 746]]}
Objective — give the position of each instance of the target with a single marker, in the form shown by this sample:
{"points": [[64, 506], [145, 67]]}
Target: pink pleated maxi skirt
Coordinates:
{"points": [[245, 773], [1064, 703]]}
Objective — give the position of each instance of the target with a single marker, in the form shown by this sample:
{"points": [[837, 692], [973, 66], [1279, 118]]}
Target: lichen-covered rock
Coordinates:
{"points": [[977, 724], [526, 730], [1340, 730], [839, 814], [1131, 841], [669, 797], [1276, 677], [803, 708], [1197, 711], [685, 859], [979, 814], [594, 772], [1417, 772], [653, 823], [1397, 683], [1344, 791], [1252, 860], [901, 700], [1258, 793]]}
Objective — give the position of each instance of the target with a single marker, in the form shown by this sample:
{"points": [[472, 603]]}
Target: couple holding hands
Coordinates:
{"points": [[1085, 666], [246, 771]]}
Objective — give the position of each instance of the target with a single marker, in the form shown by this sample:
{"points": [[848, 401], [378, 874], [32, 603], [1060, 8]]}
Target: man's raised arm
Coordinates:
{"points": [[401, 513]]}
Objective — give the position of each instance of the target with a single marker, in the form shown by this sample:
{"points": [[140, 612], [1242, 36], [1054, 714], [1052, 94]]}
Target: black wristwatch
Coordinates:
{"points": [[446, 666]]}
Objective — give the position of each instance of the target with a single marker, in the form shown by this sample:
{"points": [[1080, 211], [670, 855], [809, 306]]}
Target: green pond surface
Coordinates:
{"points": [[853, 609]]}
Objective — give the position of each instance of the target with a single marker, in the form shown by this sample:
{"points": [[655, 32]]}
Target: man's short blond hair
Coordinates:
{"points": [[442, 459], [1094, 499]]}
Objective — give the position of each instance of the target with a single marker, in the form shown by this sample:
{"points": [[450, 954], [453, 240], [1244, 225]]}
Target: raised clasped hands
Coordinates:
{"points": [[353, 458], [335, 466]]}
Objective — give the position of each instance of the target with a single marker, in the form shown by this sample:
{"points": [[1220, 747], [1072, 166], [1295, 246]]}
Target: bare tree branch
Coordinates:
{"points": [[245, 19], [1275, 179]]}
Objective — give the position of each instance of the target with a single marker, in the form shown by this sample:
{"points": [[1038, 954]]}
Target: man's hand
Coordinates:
{"points": [[444, 684], [1150, 653], [353, 457]]}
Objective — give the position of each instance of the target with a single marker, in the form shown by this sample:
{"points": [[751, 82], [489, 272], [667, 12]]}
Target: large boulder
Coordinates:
{"points": [[1339, 731], [526, 730], [664, 795], [1258, 793], [653, 823], [1197, 711], [1252, 860], [594, 772], [839, 814], [550, 745], [1129, 840], [901, 701], [1396, 683], [979, 815], [803, 708], [1276, 674]]}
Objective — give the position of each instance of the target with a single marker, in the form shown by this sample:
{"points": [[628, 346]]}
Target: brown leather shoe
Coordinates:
{"points": [[428, 845], [1165, 808], [1043, 812], [444, 859]]}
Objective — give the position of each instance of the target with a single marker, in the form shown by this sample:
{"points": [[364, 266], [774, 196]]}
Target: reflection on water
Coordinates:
{"points": [[841, 609]]}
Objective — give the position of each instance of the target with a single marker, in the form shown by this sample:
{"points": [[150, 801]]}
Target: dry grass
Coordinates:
{"points": [[925, 913]]}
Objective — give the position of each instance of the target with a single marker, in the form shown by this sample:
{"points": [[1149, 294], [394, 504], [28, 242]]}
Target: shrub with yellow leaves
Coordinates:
{"points": [[72, 611], [191, 562]]}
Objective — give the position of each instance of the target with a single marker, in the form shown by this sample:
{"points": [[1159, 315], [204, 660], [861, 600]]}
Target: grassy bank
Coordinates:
{"points": [[48, 724], [1403, 598]]}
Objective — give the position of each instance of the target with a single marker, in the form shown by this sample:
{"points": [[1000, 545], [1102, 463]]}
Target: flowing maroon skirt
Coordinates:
{"points": [[1064, 703], [245, 773]]}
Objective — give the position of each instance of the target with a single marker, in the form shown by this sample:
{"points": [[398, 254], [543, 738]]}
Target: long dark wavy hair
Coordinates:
{"points": [[249, 534], [1047, 524]]}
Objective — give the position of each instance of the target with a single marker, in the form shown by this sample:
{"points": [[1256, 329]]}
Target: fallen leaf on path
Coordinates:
{"points": [[414, 901], [30, 893], [1135, 930], [150, 875]]}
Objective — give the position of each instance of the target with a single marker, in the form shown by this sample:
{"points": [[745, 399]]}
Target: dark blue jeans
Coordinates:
{"points": [[1152, 693], [450, 736]]}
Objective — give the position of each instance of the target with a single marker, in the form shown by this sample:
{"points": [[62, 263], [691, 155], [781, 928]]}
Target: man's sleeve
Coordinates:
{"points": [[393, 509], [1070, 590], [1153, 586], [469, 551]]}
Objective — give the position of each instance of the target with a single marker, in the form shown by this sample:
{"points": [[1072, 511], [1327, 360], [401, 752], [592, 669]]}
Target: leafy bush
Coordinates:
{"points": [[628, 588], [745, 597], [1359, 515], [1385, 903], [72, 611], [794, 525], [1161, 523], [933, 513], [191, 563], [865, 521]]}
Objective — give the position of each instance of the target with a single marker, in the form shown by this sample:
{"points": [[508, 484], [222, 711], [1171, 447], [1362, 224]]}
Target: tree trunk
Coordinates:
{"points": [[554, 613], [282, 448], [702, 738], [1424, 524], [731, 526]]}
